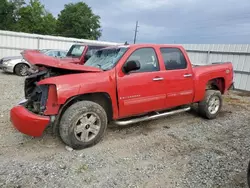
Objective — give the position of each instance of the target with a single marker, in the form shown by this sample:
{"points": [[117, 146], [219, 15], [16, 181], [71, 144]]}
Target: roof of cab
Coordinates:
{"points": [[143, 45]]}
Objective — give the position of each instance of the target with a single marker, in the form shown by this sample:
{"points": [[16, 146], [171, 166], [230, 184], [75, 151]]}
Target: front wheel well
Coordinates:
{"points": [[103, 99]]}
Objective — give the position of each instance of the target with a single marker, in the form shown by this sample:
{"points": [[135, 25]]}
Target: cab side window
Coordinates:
{"points": [[173, 58], [147, 58]]}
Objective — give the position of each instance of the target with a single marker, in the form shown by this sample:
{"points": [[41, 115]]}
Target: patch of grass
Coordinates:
{"points": [[232, 100], [82, 168]]}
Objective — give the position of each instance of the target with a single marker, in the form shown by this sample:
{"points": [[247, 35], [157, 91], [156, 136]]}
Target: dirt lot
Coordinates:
{"points": [[180, 151]]}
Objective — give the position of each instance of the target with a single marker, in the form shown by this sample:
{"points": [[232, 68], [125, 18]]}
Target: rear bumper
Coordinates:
{"points": [[28, 123]]}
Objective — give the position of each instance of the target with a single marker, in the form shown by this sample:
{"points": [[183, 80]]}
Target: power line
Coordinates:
{"points": [[136, 31]]}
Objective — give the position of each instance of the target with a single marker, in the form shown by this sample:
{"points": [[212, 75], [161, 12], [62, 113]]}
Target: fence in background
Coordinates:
{"points": [[12, 43], [238, 54]]}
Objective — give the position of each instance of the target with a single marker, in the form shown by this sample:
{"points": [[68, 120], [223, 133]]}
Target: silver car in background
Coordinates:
{"points": [[17, 65]]}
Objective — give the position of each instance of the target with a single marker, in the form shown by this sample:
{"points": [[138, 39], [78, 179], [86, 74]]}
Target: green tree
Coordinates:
{"points": [[33, 18], [77, 20], [7, 18]]}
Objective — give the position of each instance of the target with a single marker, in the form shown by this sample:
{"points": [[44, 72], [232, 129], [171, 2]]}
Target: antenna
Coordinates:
{"points": [[136, 31]]}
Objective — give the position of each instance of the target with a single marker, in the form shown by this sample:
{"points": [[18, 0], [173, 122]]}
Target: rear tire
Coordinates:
{"points": [[21, 69], [83, 124], [211, 105]]}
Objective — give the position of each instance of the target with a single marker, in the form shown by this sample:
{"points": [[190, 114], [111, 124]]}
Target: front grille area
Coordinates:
{"points": [[37, 99], [36, 94], [30, 83]]}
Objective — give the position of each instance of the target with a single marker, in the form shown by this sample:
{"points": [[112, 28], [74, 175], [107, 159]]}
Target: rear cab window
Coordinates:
{"points": [[173, 58]]}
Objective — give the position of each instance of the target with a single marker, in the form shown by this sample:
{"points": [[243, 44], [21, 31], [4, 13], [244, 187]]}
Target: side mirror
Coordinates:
{"points": [[131, 66]]}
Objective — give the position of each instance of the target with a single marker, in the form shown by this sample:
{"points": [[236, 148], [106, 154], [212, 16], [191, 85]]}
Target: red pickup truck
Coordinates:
{"points": [[123, 84]]}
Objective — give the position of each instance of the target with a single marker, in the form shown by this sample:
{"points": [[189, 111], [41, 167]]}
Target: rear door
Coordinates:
{"points": [[142, 90], [178, 77]]}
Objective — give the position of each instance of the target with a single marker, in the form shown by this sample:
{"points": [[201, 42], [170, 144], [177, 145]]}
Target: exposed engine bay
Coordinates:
{"points": [[37, 95]]}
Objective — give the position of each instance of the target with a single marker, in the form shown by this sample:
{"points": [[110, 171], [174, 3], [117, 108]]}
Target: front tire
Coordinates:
{"points": [[83, 124], [210, 106], [21, 69]]}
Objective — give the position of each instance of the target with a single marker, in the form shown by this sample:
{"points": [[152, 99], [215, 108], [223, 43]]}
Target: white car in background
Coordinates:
{"points": [[19, 66]]}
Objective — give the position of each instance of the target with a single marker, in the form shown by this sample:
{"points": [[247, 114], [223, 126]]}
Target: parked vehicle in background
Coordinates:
{"points": [[80, 53], [77, 54], [124, 84], [19, 66], [54, 53]]}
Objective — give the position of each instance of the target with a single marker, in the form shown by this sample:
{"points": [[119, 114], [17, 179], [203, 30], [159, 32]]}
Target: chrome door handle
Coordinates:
{"points": [[187, 75], [158, 79]]}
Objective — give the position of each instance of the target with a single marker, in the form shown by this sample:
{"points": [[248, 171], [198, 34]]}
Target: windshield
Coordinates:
{"points": [[106, 59], [75, 51]]}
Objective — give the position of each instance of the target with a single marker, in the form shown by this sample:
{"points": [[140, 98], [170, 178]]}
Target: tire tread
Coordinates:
{"points": [[65, 126], [203, 105]]}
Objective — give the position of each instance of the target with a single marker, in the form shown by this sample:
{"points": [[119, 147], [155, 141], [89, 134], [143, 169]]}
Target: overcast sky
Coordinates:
{"points": [[170, 21]]}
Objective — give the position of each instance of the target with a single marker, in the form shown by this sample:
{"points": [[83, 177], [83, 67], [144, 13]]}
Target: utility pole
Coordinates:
{"points": [[136, 31]]}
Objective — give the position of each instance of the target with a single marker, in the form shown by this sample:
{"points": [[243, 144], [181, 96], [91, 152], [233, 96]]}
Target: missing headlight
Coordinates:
{"points": [[37, 100]]}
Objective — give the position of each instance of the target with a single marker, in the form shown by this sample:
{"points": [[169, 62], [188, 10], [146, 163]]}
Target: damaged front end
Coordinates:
{"points": [[36, 95], [42, 98], [39, 108]]}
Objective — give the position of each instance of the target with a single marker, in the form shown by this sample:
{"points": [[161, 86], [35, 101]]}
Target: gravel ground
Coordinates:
{"points": [[179, 151]]}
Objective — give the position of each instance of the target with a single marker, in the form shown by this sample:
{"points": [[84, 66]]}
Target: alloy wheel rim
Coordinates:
{"points": [[23, 70], [214, 105], [87, 127]]}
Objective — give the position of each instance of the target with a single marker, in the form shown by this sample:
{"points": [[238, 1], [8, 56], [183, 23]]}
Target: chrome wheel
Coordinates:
{"points": [[87, 127], [214, 105], [24, 70]]}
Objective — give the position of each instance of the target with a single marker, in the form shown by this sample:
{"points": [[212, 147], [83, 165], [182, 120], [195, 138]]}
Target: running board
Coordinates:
{"points": [[146, 118]]}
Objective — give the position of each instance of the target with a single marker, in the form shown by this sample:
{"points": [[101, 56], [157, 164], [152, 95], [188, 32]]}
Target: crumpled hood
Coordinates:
{"points": [[34, 57]]}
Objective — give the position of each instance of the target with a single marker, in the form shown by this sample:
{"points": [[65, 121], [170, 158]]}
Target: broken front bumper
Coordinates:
{"points": [[28, 123]]}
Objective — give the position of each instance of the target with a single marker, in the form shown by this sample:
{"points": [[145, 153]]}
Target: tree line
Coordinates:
{"points": [[75, 20]]}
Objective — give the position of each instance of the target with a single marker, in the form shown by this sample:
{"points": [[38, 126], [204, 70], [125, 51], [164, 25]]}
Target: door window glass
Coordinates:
{"points": [[173, 58], [147, 58]]}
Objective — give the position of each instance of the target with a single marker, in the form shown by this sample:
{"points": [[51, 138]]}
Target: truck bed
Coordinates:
{"points": [[213, 63]]}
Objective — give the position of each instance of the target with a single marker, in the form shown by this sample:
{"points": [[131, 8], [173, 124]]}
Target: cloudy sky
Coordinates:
{"points": [[170, 21]]}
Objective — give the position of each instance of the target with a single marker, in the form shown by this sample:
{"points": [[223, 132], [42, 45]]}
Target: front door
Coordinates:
{"points": [[178, 78], [143, 90]]}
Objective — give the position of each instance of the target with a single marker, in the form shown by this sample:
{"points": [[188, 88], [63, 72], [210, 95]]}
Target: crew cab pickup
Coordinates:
{"points": [[120, 84]]}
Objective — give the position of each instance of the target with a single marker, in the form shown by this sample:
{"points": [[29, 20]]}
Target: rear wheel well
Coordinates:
{"points": [[216, 84]]}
